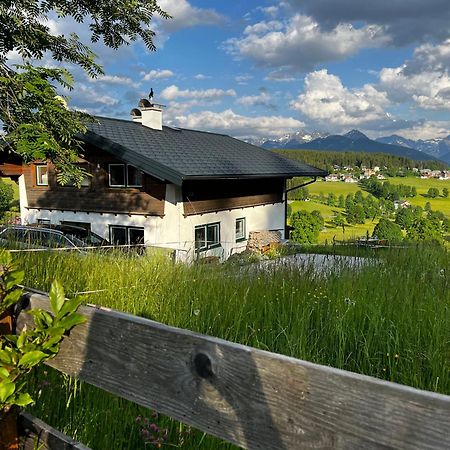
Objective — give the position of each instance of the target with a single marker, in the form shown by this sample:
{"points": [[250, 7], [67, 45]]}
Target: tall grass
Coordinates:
{"points": [[389, 319]]}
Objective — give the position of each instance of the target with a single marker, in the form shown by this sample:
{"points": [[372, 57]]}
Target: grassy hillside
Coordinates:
{"points": [[391, 323], [330, 232], [422, 186]]}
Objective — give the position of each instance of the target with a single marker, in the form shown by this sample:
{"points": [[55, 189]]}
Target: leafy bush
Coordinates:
{"points": [[385, 229], [6, 196], [306, 226]]}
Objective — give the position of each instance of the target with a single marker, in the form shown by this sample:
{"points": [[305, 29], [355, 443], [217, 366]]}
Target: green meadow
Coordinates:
{"points": [[439, 204], [389, 319], [354, 231]]}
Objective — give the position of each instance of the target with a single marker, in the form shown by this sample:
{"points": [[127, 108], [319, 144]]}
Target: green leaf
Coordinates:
{"points": [[32, 358], [5, 357], [13, 278], [51, 342], [24, 399], [4, 373], [56, 297], [7, 388], [12, 297], [69, 306], [5, 258], [72, 320], [21, 339]]}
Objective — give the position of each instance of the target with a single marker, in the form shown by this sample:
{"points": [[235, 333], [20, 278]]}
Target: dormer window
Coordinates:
{"points": [[124, 175], [134, 177], [41, 175]]}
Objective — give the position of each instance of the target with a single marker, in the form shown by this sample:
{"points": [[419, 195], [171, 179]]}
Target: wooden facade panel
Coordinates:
{"points": [[207, 196], [10, 170], [98, 197]]}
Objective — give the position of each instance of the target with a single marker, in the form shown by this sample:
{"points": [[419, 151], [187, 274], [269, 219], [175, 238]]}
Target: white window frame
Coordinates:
{"points": [[39, 175], [208, 244], [124, 175], [243, 237]]}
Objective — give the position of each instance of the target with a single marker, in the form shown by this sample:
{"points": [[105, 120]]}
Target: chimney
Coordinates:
{"points": [[148, 113]]}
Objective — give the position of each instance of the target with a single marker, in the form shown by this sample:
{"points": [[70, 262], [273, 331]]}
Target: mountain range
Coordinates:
{"points": [[354, 140]]}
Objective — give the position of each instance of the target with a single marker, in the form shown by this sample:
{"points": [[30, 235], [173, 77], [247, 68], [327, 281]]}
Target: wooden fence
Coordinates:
{"points": [[250, 397]]}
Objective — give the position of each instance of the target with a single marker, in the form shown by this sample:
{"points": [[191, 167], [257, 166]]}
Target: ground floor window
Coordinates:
{"points": [[121, 235], [240, 229], [207, 236], [44, 221]]}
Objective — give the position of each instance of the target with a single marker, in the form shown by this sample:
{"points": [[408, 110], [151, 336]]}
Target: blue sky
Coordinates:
{"points": [[263, 68]]}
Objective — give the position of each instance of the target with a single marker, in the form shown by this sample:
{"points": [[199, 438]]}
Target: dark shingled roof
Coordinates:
{"points": [[176, 155]]}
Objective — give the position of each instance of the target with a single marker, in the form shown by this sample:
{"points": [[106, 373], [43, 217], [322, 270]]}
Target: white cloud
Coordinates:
{"points": [[157, 74], [425, 130], [326, 101], [271, 11], [262, 99], [237, 125], [280, 75], [115, 80], [263, 27], [243, 79], [423, 80], [300, 44], [87, 97], [173, 92], [184, 15], [201, 76]]}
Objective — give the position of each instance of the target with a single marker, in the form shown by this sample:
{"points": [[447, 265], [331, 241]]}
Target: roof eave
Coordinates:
{"points": [[320, 174]]}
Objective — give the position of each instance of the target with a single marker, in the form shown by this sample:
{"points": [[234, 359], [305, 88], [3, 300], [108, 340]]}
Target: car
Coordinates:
{"points": [[18, 237], [90, 238]]}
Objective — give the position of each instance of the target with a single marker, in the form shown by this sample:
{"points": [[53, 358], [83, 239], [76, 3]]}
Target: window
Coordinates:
{"points": [[44, 221], [85, 182], [124, 175], [207, 236], [134, 177], [41, 175], [117, 175], [120, 235], [240, 229]]}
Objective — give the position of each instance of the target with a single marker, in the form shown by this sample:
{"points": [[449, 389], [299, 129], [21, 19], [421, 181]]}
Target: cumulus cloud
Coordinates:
{"points": [[406, 21], [157, 74], [173, 92], [423, 80], [271, 11], [424, 129], [115, 80], [262, 99], [329, 103], [237, 125], [184, 15], [300, 44]]}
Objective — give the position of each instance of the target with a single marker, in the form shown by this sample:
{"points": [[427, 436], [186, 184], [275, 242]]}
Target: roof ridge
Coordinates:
{"points": [[166, 126]]}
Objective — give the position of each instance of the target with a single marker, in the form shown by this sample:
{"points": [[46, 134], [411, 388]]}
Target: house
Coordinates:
{"points": [[401, 204], [346, 178], [196, 192]]}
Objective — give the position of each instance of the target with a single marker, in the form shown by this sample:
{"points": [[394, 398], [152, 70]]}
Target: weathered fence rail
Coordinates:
{"points": [[250, 397]]}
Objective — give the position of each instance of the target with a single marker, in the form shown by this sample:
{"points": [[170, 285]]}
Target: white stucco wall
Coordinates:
{"points": [[173, 230]]}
